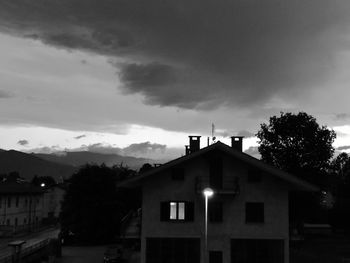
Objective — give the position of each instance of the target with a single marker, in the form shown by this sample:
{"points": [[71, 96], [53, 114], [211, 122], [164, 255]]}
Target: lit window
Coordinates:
{"points": [[176, 211], [181, 211], [173, 212]]}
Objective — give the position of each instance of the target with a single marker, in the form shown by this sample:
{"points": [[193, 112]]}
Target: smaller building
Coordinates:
{"points": [[53, 198], [21, 207]]}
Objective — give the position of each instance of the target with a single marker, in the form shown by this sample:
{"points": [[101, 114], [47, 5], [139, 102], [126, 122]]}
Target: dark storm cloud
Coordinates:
{"points": [[196, 54], [23, 142], [143, 76], [5, 94]]}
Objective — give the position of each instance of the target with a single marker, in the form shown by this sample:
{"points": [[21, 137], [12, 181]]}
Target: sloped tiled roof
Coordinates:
{"points": [[19, 188], [299, 183]]}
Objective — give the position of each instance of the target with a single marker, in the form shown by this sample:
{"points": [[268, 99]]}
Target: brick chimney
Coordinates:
{"points": [[194, 146], [237, 143]]}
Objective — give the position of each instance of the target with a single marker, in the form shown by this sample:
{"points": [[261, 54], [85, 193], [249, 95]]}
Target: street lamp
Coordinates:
{"points": [[208, 192]]}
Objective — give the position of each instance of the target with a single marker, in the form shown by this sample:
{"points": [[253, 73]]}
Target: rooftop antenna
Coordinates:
{"points": [[213, 132]]}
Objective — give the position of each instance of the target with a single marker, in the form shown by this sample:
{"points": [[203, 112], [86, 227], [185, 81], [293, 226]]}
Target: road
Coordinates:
{"points": [[30, 239], [82, 254], [92, 254]]}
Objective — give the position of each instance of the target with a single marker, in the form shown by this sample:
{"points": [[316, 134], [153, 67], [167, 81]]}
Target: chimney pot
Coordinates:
{"points": [[187, 149], [195, 143], [237, 143]]}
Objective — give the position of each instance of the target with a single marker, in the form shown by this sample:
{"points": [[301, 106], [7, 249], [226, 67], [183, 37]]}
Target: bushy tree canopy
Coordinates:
{"points": [[296, 143], [91, 208]]}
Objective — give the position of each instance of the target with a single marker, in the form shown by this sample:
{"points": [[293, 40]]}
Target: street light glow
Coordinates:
{"points": [[42, 185], [208, 192]]}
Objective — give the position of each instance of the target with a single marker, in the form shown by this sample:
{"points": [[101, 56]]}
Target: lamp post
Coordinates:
{"points": [[208, 192]]}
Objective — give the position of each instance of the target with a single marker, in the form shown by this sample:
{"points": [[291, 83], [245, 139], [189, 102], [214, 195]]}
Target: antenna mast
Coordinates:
{"points": [[213, 133]]}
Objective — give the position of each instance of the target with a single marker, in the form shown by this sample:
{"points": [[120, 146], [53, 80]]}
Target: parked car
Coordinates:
{"points": [[113, 254]]}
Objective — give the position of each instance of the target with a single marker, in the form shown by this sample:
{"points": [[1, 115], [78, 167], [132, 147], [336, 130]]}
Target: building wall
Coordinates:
{"points": [[272, 191], [28, 210], [52, 202]]}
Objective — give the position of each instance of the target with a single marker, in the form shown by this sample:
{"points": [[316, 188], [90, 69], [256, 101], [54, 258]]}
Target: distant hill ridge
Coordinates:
{"points": [[29, 165], [81, 158], [60, 165]]}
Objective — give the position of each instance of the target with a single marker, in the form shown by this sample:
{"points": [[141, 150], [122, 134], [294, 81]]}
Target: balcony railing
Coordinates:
{"points": [[230, 185]]}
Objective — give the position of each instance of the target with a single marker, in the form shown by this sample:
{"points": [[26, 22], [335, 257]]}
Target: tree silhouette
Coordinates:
{"points": [[91, 209], [296, 143], [145, 168]]}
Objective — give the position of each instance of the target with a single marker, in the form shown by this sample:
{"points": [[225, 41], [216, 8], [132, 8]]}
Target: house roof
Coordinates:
{"points": [[19, 188], [299, 183]]}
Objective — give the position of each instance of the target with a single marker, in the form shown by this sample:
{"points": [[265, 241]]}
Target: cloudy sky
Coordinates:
{"points": [[138, 76]]}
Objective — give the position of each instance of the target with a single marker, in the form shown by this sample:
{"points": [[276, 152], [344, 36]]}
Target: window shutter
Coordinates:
{"points": [[189, 211], [164, 211]]}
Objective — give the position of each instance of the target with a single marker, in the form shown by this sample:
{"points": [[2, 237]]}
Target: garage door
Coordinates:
{"points": [[172, 250], [257, 251]]}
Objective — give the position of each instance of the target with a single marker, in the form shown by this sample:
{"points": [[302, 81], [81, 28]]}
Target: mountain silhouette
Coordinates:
{"points": [[81, 158], [29, 165]]}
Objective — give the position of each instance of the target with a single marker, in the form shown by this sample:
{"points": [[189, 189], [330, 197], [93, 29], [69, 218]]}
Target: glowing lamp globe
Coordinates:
{"points": [[208, 192]]}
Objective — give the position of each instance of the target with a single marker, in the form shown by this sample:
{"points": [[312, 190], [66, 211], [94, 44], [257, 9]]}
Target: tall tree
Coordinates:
{"points": [[91, 209], [296, 143]]}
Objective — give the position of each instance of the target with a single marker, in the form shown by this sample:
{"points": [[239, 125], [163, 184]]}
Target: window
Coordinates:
{"points": [[17, 201], [254, 176], [176, 211], [9, 201], [8, 222], [178, 173], [254, 212], [16, 221], [215, 211], [25, 221], [26, 202]]}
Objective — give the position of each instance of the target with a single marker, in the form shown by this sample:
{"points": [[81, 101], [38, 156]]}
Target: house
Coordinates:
{"points": [[247, 216], [53, 198], [21, 206]]}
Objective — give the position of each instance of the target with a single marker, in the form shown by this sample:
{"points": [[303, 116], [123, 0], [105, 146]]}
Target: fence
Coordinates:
{"points": [[27, 251]]}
